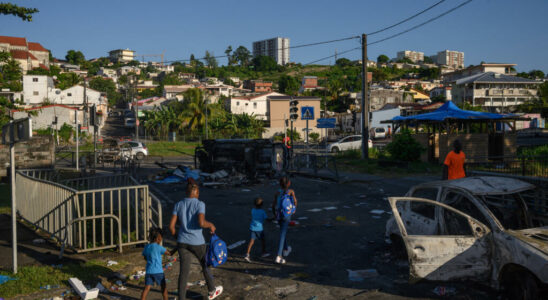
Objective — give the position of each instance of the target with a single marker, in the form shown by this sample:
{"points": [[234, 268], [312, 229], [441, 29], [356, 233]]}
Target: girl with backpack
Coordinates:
{"points": [[283, 207]]}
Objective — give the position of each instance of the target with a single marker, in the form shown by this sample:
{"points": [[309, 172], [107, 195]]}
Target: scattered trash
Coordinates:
{"points": [[170, 179], [4, 279], [100, 287], [330, 208], [198, 283], [315, 210], [286, 290], [235, 245], [293, 223], [111, 263], [444, 291], [246, 190], [117, 276], [302, 218], [340, 218], [82, 291], [377, 211], [38, 241], [137, 275], [360, 275]]}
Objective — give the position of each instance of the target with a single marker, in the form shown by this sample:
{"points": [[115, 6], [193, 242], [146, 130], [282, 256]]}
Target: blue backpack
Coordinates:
{"points": [[216, 252], [287, 206]]}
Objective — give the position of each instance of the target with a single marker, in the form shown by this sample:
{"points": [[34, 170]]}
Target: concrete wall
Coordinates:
{"points": [[39, 152], [473, 145], [46, 116]]}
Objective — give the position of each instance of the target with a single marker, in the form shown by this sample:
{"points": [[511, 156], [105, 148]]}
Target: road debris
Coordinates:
{"points": [[4, 279], [82, 291], [111, 263], [444, 291], [315, 210], [330, 208], [377, 211], [360, 275], [286, 290], [38, 241], [235, 245]]}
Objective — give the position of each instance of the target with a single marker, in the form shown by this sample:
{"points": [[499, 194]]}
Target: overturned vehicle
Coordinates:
{"points": [[485, 229], [252, 157]]}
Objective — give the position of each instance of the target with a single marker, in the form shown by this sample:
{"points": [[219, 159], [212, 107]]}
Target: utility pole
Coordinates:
{"points": [[77, 139], [13, 200], [136, 110], [365, 108], [85, 106], [205, 104]]}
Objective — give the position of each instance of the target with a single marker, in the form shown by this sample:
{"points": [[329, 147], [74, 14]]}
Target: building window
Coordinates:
{"points": [[254, 105], [34, 79], [246, 104], [69, 94], [35, 93], [237, 103]]}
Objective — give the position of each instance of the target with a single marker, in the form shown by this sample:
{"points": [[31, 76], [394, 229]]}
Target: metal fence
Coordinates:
{"points": [[523, 166], [89, 214], [315, 164]]}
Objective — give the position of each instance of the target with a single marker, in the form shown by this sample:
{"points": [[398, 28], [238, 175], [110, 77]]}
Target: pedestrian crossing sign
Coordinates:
{"points": [[307, 113]]}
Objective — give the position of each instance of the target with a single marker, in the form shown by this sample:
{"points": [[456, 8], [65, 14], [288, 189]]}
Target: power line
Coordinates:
{"points": [[411, 17], [421, 24], [333, 55]]}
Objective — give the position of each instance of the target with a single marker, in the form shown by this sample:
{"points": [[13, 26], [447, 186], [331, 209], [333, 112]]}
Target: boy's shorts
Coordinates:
{"points": [[159, 279], [257, 235]]}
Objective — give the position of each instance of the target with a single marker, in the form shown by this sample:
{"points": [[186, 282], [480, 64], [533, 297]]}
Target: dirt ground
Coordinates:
{"points": [[343, 235]]}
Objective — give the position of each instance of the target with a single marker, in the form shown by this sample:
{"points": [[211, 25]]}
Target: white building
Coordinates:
{"points": [[256, 105], [109, 73], [39, 89], [414, 56], [128, 69], [444, 91], [121, 55], [454, 59], [46, 115], [277, 48]]}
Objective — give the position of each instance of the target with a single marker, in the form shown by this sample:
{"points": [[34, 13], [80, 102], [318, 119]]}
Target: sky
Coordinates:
{"points": [[504, 31]]}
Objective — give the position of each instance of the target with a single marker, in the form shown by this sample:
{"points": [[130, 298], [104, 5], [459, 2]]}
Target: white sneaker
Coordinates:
{"points": [[246, 258], [265, 255], [279, 260], [286, 252], [217, 292]]}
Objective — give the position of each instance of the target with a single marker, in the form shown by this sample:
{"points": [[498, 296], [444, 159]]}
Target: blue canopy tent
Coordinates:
{"points": [[449, 119]]}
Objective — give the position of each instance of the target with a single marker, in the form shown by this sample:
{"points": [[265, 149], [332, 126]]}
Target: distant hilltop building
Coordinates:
{"points": [[29, 55], [121, 55], [277, 48], [414, 56], [454, 59]]}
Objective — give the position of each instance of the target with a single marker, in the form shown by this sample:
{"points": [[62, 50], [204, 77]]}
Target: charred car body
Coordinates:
{"points": [[247, 156], [485, 229]]}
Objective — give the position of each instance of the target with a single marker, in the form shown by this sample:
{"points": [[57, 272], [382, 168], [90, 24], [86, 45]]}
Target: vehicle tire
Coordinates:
{"points": [[521, 286], [335, 150], [140, 156]]}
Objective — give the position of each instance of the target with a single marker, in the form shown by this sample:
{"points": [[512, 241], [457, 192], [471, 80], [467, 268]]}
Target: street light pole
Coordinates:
{"points": [[136, 111], [13, 205], [205, 102]]}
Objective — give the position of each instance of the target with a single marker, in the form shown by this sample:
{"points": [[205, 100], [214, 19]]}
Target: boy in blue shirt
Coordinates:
{"points": [[258, 216], [153, 255]]}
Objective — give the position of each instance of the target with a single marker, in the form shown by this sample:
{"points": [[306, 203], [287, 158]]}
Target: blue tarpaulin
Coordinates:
{"points": [[450, 111]]}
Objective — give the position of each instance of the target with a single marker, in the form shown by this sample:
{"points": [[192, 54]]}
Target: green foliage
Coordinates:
{"points": [[75, 57], [536, 74], [428, 60], [539, 151], [343, 62], [5, 107], [65, 132], [382, 58], [404, 147], [24, 13], [293, 134], [288, 85], [429, 73], [264, 63], [242, 55], [405, 60], [210, 59], [67, 80], [314, 136], [106, 86]]}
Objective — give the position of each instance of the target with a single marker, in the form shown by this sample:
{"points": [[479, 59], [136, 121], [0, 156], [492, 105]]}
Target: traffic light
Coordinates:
{"points": [[293, 109], [93, 116]]}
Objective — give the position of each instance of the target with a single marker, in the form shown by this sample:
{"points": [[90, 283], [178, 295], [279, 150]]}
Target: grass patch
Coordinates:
{"points": [[5, 198], [171, 148], [31, 278]]}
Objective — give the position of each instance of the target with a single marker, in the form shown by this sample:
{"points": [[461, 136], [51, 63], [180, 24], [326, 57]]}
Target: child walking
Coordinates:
{"points": [[283, 249], [153, 255], [258, 216]]}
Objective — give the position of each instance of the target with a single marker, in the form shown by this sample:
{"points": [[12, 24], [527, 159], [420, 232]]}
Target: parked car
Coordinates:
{"points": [[378, 133], [129, 122], [138, 149], [348, 143], [484, 229]]}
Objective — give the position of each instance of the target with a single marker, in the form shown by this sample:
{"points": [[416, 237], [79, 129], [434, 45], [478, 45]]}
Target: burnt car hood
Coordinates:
{"points": [[536, 237]]}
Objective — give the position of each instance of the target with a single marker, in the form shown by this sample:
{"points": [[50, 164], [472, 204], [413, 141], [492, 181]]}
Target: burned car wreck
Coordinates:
{"points": [[485, 229]]}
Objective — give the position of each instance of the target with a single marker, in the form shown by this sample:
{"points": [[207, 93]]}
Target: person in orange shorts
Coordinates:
{"points": [[453, 167]]}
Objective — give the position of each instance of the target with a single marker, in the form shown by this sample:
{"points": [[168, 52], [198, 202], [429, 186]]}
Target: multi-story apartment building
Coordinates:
{"points": [[501, 68], [450, 58], [258, 86], [277, 48], [29, 55], [39, 89], [494, 91], [121, 55], [414, 56]]}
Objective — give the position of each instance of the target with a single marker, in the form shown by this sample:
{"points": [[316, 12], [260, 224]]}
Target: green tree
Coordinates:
{"points": [[106, 86], [405, 60], [75, 57], [314, 136], [404, 147], [264, 63], [382, 58], [228, 56], [288, 85], [242, 55], [536, 74], [210, 59], [343, 62], [67, 80], [428, 60], [24, 13]]}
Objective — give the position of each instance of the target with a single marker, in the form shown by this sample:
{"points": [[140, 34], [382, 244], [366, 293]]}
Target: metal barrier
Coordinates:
{"points": [[89, 214], [315, 164], [523, 166]]}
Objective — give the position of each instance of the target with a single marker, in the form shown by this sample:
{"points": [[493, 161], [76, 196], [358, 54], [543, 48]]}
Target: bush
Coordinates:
{"points": [[314, 136], [540, 151], [404, 147]]}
